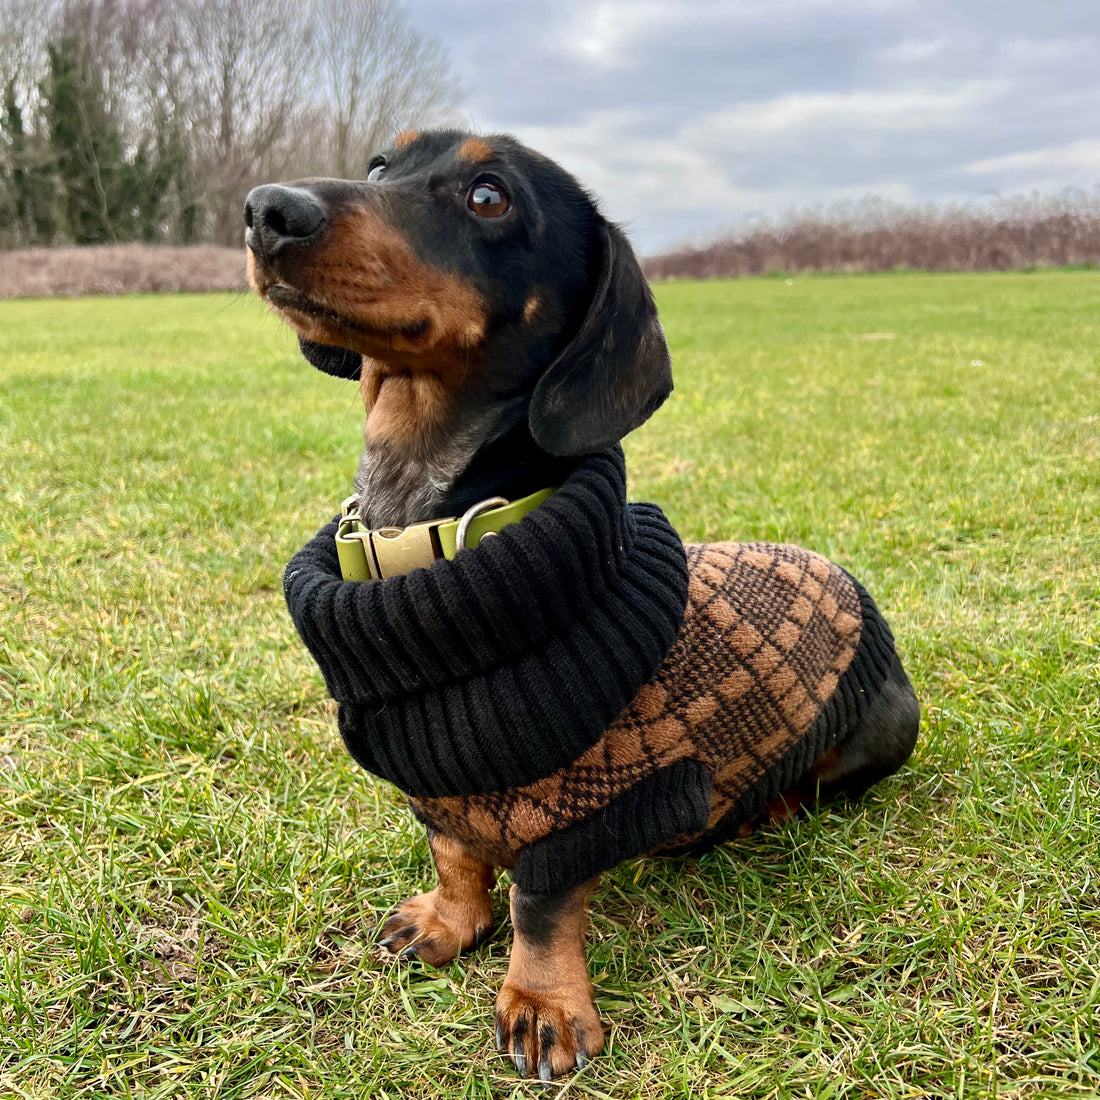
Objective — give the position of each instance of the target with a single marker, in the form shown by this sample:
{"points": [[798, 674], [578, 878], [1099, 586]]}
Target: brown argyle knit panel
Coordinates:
{"points": [[779, 653]]}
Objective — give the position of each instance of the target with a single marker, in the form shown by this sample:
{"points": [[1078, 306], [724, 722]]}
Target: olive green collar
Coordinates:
{"points": [[367, 555]]}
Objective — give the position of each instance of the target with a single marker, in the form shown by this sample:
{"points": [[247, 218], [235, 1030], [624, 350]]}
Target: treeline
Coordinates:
{"points": [[148, 120], [1036, 230]]}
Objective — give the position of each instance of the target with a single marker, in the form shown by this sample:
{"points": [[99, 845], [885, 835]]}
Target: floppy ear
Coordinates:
{"points": [[337, 361], [615, 372]]}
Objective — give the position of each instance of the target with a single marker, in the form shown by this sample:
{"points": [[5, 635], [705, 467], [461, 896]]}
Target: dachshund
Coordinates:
{"points": [[500, 329]]}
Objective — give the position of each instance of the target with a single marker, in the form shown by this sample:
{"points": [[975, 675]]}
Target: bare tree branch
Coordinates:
{"points": [[378, 75], [228, 93]]}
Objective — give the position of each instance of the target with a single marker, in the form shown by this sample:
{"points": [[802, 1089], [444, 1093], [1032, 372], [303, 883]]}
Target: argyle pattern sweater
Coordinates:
{"points": [[778, 655], [582, 688]]}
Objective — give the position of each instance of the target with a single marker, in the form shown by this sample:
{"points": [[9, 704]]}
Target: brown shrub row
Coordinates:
{"points": [[119, 269], [870, 236], [877, 236]]}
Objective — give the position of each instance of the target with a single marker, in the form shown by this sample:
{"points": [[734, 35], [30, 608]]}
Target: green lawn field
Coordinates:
{"points": [[191, 868]]}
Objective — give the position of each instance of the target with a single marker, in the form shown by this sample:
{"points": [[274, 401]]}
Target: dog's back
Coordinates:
{"points": [[779, 658]]}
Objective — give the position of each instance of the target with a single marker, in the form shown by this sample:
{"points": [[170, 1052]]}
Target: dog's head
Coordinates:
{"points": [[465, 273]]}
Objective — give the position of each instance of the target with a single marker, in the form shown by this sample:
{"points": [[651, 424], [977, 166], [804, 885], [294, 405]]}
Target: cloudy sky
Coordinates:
{"points": [[687, 116]]}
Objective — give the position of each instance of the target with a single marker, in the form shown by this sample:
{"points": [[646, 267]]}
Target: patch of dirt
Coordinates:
{"points": [[175, 954]]}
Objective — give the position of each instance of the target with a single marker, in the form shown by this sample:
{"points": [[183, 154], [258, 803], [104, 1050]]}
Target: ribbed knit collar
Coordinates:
{"points": [[500, 667]]}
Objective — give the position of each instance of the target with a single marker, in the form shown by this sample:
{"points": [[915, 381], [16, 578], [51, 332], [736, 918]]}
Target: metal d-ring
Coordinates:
{"points": [[470, 515]]}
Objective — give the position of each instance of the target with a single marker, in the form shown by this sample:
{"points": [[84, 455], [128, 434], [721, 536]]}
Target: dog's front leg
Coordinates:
{"points": [[546, 1018], [455, 916]]}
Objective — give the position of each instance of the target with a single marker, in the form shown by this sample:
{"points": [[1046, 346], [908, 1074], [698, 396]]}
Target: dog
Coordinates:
{"points": [[502, 333]]}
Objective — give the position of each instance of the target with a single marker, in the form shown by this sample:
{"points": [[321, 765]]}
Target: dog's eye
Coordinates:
{"points": [[376, 171], [488, 200]]}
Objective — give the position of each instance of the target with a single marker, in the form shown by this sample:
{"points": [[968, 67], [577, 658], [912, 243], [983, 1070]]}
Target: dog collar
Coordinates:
{"points": [[375, 554]]}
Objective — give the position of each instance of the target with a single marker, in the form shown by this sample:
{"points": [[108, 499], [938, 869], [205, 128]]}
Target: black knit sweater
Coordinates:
{"points": [[573, 692], [504, 665]]}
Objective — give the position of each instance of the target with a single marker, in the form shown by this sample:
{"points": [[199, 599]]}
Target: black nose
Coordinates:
{"points": [[278, 216]]}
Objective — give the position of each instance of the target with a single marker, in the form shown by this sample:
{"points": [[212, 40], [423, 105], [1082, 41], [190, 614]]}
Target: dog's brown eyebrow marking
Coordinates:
{"points": [[531, 307], [405, 139], [475, 150]]}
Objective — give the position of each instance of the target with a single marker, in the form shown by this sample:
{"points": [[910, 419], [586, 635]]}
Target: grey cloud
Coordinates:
{"points": [[691, 115]]}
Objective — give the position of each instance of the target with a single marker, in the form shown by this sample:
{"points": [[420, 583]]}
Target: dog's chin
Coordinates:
{"points": [[324, 325]]}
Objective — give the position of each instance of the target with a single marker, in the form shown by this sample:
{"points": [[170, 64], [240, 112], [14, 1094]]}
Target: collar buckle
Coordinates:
{"points": [[367, 555], [400, 550]]}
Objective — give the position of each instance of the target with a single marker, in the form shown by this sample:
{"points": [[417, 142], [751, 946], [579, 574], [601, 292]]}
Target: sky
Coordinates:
{"points": [[689, 117]]}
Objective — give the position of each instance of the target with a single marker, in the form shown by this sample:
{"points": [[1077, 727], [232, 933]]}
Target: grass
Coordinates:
{"points": [[191, 867]]}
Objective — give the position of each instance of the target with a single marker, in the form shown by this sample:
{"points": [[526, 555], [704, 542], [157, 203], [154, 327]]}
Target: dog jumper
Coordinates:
{"points": [[582, 688]]}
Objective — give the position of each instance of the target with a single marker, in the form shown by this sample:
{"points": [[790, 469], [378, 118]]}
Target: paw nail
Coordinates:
{"points": [[521, 1063], [544, 1071], [386, 942], [582, 1059], [500, 1037]]}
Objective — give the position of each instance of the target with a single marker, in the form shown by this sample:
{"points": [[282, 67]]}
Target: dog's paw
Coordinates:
{"points": [[550, 1032], [435, 929]]}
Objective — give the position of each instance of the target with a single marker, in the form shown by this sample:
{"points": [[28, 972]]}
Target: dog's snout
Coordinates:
{"points": [[278, 216]]}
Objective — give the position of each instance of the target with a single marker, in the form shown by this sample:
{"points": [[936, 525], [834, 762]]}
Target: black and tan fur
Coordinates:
{"points": [[492, 354]]}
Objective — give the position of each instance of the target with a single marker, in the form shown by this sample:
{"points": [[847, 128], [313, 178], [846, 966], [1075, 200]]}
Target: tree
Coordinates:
{"points": [[87, 148], [23, 28], [27, 193], [151, 119], [28, 198], [377, 75], [248, 60]]}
